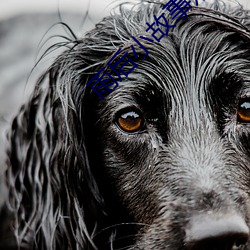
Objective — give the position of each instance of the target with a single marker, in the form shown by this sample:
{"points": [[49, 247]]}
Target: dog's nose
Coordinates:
{"points": [[217, 232]]}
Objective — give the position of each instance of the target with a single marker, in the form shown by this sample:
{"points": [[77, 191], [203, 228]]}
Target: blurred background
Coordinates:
{"points": [[25, 26]]}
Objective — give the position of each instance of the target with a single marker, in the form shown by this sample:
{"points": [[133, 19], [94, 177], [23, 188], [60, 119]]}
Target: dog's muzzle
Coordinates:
{"points": [[217, 232]]}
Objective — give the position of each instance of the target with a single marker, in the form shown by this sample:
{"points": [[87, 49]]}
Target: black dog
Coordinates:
{"points": [[162, 163]]}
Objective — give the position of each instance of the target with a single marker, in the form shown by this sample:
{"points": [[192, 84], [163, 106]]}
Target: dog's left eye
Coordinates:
{"points": [[243, 113], [130, 121]]}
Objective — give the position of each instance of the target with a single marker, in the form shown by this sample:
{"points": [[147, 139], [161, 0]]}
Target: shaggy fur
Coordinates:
{"points": [[78, 181]]}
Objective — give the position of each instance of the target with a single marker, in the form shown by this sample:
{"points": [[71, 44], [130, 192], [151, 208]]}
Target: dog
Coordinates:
{"points": [[162, 163]]}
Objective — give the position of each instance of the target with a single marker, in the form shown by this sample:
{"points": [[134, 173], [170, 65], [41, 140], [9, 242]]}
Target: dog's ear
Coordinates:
{"points": [[53, 197], [49, 178]]}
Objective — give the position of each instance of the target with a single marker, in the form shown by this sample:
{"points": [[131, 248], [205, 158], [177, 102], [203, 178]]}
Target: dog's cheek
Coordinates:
{"points": [[131, 172], [244, 139]]}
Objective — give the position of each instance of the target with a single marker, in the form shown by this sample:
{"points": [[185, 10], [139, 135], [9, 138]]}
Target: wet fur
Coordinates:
{"points": [[76, 181]]}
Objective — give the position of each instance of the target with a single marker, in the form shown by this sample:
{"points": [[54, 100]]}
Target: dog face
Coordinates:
{"points": [[161, 163], [173, 143]]}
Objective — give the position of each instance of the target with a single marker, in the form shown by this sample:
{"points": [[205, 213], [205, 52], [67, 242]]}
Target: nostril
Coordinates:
{"points": [[217, 232], [241, 241], [223, 242]]}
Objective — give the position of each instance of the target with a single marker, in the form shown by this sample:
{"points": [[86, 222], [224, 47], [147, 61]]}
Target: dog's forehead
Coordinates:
{"points": [[191, 59], [203, 57]]}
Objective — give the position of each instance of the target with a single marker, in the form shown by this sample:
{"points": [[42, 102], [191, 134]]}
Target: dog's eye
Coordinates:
{"points": [[130, 121], [243, 113]]}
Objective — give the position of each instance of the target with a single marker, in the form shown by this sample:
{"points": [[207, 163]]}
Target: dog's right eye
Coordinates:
{"points": [[130, 121], [243, 113]]}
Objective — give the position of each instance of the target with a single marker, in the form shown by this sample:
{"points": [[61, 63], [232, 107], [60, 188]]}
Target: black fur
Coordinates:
{"points": [[77, 181]]}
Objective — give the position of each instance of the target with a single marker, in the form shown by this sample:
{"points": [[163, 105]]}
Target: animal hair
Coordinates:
{"points": [[76, 182]]}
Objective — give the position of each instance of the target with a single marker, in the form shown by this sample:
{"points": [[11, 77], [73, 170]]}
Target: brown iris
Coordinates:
{"points": [[130, 122], [244, 111]]}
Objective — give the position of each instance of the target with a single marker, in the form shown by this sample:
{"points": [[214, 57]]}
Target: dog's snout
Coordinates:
{"points": [[217, 232]]}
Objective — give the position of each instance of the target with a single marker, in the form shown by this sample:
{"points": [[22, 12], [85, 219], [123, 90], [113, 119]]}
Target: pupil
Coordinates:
{"points": [[245, 105], [130, 115]]}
